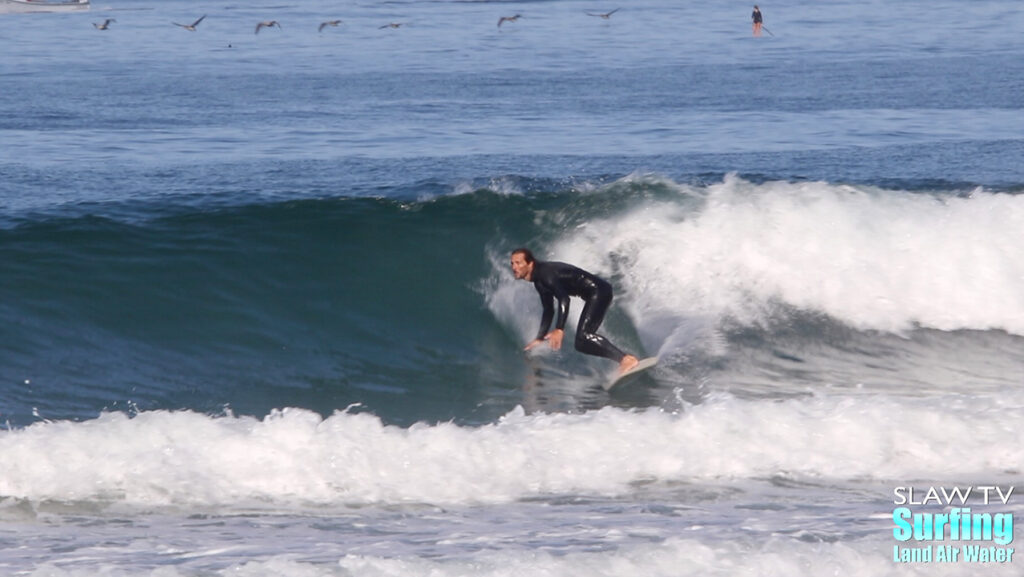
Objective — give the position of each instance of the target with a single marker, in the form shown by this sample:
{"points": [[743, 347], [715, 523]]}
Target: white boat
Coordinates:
{"points": [[20, 6]]}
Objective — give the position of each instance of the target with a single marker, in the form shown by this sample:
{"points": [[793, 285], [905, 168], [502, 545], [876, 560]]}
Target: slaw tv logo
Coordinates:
{"points": [[952, 524]]}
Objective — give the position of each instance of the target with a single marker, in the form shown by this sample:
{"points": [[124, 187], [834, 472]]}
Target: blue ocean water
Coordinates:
{"points": [[256, 317]]}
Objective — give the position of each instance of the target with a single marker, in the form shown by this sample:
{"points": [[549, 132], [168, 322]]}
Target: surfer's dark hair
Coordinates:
{"points": [[527, 254]]}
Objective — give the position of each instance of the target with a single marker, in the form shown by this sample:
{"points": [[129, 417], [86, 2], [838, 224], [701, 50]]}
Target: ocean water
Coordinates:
{"points": [[256, 318]]}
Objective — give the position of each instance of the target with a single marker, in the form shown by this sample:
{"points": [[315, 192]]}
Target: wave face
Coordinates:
{"points": [[406, 307]]}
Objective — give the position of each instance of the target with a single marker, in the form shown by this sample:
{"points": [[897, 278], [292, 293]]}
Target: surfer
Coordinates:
{"points": [[758, 21], [559, 281]]}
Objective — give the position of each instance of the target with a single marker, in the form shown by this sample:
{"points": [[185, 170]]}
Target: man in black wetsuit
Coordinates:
{"points": [[557, 281]]}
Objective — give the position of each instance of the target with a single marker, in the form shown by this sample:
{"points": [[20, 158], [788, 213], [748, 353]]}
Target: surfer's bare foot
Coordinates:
{"points": [[627, 364]]}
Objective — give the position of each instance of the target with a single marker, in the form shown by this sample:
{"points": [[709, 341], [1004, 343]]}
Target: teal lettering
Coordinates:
{"points": [[903, 530]]}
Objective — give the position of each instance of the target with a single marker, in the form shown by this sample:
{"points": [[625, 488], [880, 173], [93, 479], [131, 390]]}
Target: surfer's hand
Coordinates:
{"points": [[555, 339], [532, 344]]}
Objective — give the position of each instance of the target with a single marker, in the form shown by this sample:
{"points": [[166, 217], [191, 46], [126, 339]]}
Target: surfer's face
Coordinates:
{"points": [[520, 268]]}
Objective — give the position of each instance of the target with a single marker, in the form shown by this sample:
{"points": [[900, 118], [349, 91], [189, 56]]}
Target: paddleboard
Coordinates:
{"points": [[642, 366]]}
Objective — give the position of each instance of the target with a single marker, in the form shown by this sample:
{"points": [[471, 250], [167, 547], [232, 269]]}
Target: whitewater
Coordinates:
{"points": [[594, 493], [874, 259], [296, 458]]}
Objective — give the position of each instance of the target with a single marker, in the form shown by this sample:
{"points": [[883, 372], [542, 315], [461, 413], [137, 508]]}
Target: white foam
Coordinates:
{"points": [[875, 259], [295, 458]]}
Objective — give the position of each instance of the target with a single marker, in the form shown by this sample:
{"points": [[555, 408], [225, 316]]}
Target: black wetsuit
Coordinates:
{"points": [[756, 17], [557, 281]]}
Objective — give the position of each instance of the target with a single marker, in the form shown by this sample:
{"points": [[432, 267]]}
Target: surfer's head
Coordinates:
{"points": [[522, 263]]}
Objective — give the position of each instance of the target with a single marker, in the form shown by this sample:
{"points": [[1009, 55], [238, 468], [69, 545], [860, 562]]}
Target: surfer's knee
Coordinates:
{"points": [[598, 346], [582, 344], [586, 342]]}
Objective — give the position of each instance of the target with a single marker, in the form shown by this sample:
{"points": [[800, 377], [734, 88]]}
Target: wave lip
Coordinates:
{"points": [[874, 259]]}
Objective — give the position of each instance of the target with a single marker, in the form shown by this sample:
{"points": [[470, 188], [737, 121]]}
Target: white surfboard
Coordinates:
{"points": [[642, 366]]}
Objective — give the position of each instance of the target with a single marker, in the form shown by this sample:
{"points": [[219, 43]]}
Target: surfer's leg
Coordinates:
{"points": [[588, 341]]}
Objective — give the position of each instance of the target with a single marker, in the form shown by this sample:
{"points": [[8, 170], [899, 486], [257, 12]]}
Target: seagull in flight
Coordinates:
{"points": [[390, 25], [268, 24], [504, 19], [191, 27], [105, 25], [328, 23], [606, 15]]}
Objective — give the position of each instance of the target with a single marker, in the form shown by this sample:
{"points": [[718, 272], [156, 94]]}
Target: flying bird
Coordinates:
{"points": [[505, 19], [390, 25], [606, 15], [269, 24], [328, 23], [105, 25], [191, 27]]}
